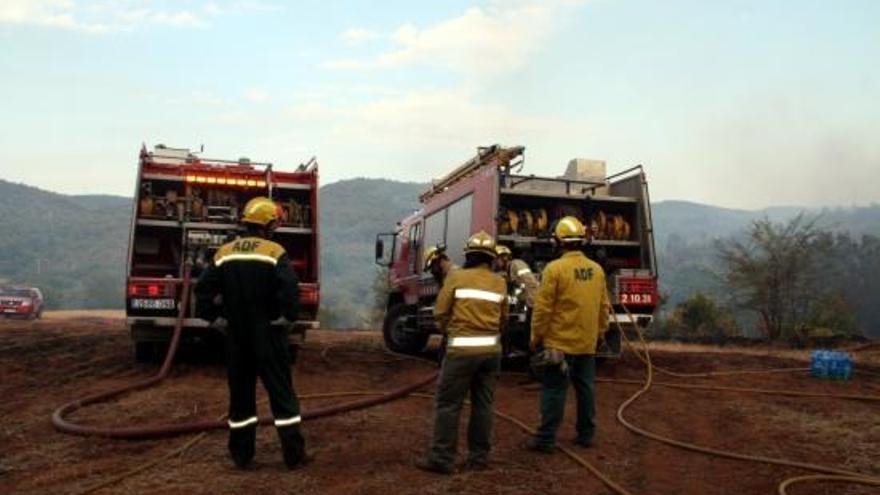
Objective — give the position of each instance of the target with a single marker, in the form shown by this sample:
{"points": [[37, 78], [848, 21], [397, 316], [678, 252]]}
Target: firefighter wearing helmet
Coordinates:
{"points": [[518, 274], [438, 264], [470, 310], [254, 282], [571, 311]]}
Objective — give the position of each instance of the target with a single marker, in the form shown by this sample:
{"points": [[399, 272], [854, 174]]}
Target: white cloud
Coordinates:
{"points": [[412, 135], [225, 8], [356, 36], [203, 98], [484, 46], [256, 95], [113, 16], [481, 41]]}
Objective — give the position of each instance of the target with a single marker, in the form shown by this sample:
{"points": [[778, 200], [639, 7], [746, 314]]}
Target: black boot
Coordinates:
{"points": [[293, 446], [241, 445]]}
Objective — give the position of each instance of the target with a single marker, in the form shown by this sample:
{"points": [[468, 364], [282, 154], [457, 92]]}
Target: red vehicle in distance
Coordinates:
{"points": [[21, 302]]}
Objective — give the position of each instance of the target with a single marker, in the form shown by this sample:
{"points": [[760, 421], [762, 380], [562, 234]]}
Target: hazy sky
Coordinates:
{"points": [[734, 103]]}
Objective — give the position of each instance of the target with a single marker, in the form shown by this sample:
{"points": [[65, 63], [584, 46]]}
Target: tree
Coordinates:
{"points": [[775, 273], [700, 317], [380, 289]]}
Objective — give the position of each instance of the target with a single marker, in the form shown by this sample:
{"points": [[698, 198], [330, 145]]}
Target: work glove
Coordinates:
{"points": [[545, 358]]}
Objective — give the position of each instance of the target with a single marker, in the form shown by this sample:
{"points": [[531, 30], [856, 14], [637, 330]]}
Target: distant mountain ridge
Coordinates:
{"points": [[698, 222], [75, 246]]}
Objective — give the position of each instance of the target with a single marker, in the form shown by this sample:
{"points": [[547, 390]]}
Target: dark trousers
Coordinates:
{"points": [[263, 352], [581, 374], [458, 376]]}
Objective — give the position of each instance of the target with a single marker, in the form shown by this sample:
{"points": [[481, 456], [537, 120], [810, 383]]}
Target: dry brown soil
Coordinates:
{"points": [[46, 363]]}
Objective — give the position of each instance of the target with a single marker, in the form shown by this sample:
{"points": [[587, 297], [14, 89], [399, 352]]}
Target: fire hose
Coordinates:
{"points": [[62, 424], [829, 474]]}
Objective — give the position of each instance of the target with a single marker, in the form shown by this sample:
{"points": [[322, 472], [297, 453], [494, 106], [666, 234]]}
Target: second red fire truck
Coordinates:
{"points": [[185, 207], [487, 193]]}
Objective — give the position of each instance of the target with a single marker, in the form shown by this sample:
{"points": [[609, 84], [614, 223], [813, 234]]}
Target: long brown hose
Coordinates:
{"points": [[831, 474], [60, 422], [828, 473]]}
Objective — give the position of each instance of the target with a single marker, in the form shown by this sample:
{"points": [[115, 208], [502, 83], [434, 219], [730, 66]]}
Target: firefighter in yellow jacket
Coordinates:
{"points": [[438, 264], [517, 273], [570, 312], [471, 309]]}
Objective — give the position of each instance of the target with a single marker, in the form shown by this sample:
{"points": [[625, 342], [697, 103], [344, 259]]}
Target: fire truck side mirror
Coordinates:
{"points": [[383, 258], [380, 250]]}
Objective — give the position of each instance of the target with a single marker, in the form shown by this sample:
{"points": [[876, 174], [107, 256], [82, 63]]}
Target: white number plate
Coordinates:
{"points": [[152, 304]]}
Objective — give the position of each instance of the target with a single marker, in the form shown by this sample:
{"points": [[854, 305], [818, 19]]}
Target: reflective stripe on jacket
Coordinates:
{"points": [[571, 306], [471, 309], [257, 284]]}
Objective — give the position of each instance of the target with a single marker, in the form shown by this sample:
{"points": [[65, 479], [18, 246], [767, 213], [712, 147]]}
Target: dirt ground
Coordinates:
{"points": [[49, 362]]}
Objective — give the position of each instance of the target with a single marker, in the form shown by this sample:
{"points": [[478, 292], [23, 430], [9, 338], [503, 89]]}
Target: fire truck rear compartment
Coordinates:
{"points": [[187, 207]]}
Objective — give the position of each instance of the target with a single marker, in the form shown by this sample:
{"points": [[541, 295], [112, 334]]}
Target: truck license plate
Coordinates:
{"points": [[636, 299], [152, 304]]}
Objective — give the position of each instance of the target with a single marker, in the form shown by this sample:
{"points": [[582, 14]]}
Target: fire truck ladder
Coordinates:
{"points": [[494, 155]]}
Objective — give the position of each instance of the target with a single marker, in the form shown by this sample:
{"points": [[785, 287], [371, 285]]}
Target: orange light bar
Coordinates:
{"points": [[225, 181]]}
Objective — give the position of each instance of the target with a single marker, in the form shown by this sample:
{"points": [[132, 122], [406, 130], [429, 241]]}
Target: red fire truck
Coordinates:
{"points": [[185, 207], [487, 193]]}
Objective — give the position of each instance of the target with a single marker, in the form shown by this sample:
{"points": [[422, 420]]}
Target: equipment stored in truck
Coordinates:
{"points": [[487, 193], [186, 207]]}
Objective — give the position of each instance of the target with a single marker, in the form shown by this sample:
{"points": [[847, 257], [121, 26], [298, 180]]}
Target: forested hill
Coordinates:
{"points": [[352, 213], [74, 246]]}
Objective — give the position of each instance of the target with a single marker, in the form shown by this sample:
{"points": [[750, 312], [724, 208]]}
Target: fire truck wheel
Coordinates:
{"points": [[399, 337]]}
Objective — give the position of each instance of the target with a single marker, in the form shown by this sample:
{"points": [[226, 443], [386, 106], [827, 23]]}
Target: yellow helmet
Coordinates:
{"points": [[260, 211], [433, 254], [502, 250], [481, 242], [570, 229]]}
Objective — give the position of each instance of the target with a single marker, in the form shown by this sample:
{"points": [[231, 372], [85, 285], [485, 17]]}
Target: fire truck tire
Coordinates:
{"points": [[397, 337]]}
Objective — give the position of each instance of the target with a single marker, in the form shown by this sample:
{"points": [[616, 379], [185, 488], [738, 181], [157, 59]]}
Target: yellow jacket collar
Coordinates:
{"points": [[569, 254]]}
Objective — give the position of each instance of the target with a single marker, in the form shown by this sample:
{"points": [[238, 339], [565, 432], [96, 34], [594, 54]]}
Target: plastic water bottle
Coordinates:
{"points": [[814, 363], [820, 363], [834, 365], [846, 366]]}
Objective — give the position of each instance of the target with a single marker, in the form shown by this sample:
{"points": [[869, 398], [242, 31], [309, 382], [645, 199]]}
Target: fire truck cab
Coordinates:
{"points": [[185, 207], [486, 193]]}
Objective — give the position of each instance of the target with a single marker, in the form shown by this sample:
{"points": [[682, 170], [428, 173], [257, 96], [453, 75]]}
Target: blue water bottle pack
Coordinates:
{"points": [[833, 365]]}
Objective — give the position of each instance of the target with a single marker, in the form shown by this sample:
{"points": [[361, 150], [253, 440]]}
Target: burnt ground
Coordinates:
{"points": [[46, 363]]}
